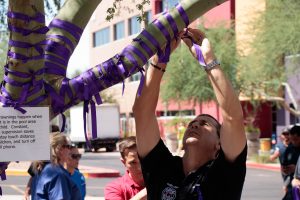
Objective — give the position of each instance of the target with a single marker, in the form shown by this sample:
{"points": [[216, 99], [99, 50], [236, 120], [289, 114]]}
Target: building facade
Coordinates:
{"points": [[109, 38]]}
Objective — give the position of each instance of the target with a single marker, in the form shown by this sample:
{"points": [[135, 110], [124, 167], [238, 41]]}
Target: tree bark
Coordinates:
{"points": [[59, 92]]}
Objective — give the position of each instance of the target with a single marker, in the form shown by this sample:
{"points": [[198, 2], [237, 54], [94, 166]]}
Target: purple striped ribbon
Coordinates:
{"points": [[74, 30], [63, 38], [183, 14], [39, 17], [37, 46], [25, 32]]}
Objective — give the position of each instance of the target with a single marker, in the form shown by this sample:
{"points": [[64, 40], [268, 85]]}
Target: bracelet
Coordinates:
{"points": [[157, 67], [211, 65]]}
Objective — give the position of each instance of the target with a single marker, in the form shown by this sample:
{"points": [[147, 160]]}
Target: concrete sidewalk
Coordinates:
{"points": [[20, 197], [20, 169], [266, 166]]}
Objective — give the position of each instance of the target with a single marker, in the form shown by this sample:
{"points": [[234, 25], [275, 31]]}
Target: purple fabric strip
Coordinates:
{"points": [[132, 60], [53, 58], [58, 49], [144, 46], [172, 23], [65, 88], [137, 52], [296, 193], [22, 57], [39, 17], [199, 54], [11, 103], [94, 119], [183, 14], [37, 46], [25, 85], [32, 82], [74, 30], [52, 68], [85, 111], [121, 69], [151, 39], [57, 101], [163, 29], [16, 73], [25, 32], [60, 37], [37, 101], [35, 90]]}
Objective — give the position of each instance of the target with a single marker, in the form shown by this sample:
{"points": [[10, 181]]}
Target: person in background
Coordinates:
{"points": [[38, 165], [131, 184], [281, 146], [213, 165], [72, 167], [54, 181], [290, 159]]}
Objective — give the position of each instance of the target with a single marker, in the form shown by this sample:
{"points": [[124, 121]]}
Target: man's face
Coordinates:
{"points": [[202, 134], [73, 159], [132, 162]]}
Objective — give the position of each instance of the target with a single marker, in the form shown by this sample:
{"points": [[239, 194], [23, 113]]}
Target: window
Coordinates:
{"points": [[148, 17], [167, 4], [175, 113], [134, 25], [119, 30], [101, 37]]}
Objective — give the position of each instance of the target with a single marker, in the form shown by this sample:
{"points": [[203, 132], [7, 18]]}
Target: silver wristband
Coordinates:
{"points": [[211, 65]]}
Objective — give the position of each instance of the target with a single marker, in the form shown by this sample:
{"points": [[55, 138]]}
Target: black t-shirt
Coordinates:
{"points": [[165, 179], [290, 157]]}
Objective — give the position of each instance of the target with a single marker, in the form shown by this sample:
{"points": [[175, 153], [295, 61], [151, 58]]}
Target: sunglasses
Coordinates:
{"points": [[67, 146], [76, 156]]}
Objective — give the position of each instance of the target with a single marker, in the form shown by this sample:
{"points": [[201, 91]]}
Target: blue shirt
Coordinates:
{"points": [[79, 180], [54, 182]]}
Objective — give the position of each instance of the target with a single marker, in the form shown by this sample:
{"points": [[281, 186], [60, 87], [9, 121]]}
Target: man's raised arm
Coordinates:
{"points": [[147, 131], [233, 139]]}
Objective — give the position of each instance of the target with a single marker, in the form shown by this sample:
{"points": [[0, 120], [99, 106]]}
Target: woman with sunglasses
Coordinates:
{"points": [[72, 167], [54, 182]]}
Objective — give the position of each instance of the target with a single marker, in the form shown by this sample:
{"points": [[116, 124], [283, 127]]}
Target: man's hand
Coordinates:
{"points": [[296, 182], [197, 36]]}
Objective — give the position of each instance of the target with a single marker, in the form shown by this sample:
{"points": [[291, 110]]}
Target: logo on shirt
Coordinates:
{"points": [[169, 193]]}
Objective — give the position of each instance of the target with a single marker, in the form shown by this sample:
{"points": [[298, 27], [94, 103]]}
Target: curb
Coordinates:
{"points": [[263, 166], [88, 172]]}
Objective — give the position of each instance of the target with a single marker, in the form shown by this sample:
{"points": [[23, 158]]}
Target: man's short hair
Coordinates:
{"points": [[285, 131], [295, 130], [126, 143], [215, 122]]}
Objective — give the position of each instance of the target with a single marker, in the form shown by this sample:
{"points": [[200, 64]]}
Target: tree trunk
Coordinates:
{"points": [[45, 81]]}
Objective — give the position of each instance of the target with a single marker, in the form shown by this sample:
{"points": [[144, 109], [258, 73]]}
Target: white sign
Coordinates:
{"points": [[24, 136]]}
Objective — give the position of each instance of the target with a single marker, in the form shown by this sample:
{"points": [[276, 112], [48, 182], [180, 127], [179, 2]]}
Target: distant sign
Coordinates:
{"points": [[24, 136]]}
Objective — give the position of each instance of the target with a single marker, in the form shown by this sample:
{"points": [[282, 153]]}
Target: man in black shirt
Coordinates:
{"points": [[214, 163]]}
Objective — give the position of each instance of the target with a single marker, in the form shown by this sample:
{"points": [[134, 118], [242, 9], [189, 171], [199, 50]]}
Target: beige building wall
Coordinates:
{"points": [[246, 11], [97, 22], [104, 52]]}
